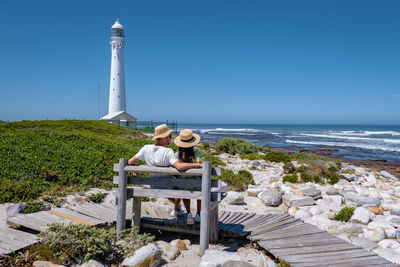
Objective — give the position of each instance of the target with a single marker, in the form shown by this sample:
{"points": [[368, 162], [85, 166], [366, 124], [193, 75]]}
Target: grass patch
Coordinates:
{"points": [[56, 156], [344, 214], [290, 178], [96, 197], [279, 156], [251, 156], [34, 206], [235, 146]]}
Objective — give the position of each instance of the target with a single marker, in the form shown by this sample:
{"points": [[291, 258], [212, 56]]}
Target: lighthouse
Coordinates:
{"points": [[117, 98]]}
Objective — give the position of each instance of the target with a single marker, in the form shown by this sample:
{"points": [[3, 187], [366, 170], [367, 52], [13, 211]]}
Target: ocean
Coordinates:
{"points": [[351, 141]]}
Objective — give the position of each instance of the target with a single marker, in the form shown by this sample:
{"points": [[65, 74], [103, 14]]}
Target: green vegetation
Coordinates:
{"points": [[59, 156], [274, 156], [34, 206], [215, 162], [238, 181], [283, 263], [251, 156], [2, 122], [344, 214], [290, 178], [96, 197], [235, 146], [79, 243], [205, 146], [289, 167]]}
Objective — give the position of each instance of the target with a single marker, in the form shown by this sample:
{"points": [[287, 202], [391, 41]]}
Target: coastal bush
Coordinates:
{"points": [[205, 146], [235, 146], [79, 243], [289, 167], [34, 206], [331, 174], [52, 156], [239, 181], [290, 178], [96, 197], [277, 156], [215, 161], [344, 214]]}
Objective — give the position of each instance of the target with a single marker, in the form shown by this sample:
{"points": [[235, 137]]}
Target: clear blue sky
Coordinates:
{"points": [[325, 62]]}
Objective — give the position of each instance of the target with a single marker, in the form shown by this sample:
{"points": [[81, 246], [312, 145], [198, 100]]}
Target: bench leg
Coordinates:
{"points": [[214, 224], [136, 212]]}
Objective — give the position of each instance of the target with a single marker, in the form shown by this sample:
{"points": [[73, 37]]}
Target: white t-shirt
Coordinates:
{"points": [[156, 155]]}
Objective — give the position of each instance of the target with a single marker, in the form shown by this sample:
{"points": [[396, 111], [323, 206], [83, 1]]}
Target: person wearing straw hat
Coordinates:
{"points": [[186, 140], [161, 156]]}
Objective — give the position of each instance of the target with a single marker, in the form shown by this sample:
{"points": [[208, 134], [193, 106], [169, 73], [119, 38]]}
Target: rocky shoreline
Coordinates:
{"points": [[374, 195]]}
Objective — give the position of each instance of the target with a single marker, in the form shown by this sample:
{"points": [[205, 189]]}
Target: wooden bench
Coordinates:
{"points": [[209, 191]]}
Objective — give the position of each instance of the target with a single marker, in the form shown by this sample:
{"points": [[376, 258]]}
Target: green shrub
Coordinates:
{"points": [[274, 156], [215, 161], [344, 214], [289, 167], [205, 146], [239, 181], [290, 178], [235, 146], [34, 206], [251, 156], [96, 197], [82, 242], [331, 174]]}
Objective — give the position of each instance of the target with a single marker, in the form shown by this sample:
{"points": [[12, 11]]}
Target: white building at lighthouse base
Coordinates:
{"points": [[121, 118]]}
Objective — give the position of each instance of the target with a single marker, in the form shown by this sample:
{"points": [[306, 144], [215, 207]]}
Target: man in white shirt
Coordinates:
{"points": [[161, 156]]}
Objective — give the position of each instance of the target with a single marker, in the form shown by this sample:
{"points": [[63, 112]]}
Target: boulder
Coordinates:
{"points": [[233, 197], [393, 220], [180, 244], [291, 200], [91, 263], [397, 234], [303, 214], [149, 256], [389, 243], [350, 229], [392, 255], [361, 215], [394, 209], [361, 200], [168, 250], [253, 192], [332, 192], [363, 242], [375, 210], [312, 192], [271, 197], [216, 258], [348, 177], [335, 200], [390, 231], [256, 202], [375, 234]]}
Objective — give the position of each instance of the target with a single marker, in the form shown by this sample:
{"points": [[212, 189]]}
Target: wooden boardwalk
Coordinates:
{"points": [[284, 236]]}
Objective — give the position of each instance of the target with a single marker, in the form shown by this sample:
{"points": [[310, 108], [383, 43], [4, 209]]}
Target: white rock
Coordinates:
{"points": [[361, 201], [253, 192], [321, 221], [361, 215], [215, 258], [233, 197], [271, 197], [170, 251], [292, 210], [390, 231], [374, 234], [264, 261], [388, 243], [388, 175], [364, 243], [291, 200], [303, 214], [256, 202], [390, 254], [350, 228], [316, 210], [335, 200], [91, 263], [394, 209], [393, 220], [149, 255]]}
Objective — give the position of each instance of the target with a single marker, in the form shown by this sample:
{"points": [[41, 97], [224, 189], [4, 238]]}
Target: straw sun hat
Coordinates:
{"points": [[187, 138], [161, 131]]}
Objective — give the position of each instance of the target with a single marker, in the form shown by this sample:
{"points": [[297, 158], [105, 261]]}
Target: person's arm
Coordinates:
{"points": [[133, 160], [182, 166]]}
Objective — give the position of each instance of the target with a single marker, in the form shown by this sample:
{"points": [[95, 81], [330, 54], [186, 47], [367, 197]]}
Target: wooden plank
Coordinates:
{"points": [[169, 170], [272, 226], [349, 262], [103, 215], [308, 249], [303, 233], [245, 217], [257, 222], [163, 193], [167, 182], [136, 212], [17, 234], [170, 228], [122, 196], [298, 242], [75, 217], [205, 207], [12, 240], [329, 256]]}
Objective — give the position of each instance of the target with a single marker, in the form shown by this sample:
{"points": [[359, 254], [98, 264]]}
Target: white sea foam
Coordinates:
{"points": [[229, 130], [386, 140], [365, 133], [222, 133], [365, 146], [392, 141]]}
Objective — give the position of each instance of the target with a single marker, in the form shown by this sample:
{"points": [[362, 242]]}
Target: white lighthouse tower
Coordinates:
{"points": [[117, 99]]}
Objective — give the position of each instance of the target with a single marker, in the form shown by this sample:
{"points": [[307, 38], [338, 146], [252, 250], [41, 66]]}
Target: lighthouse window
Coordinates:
{"points": [[117, 32]]}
